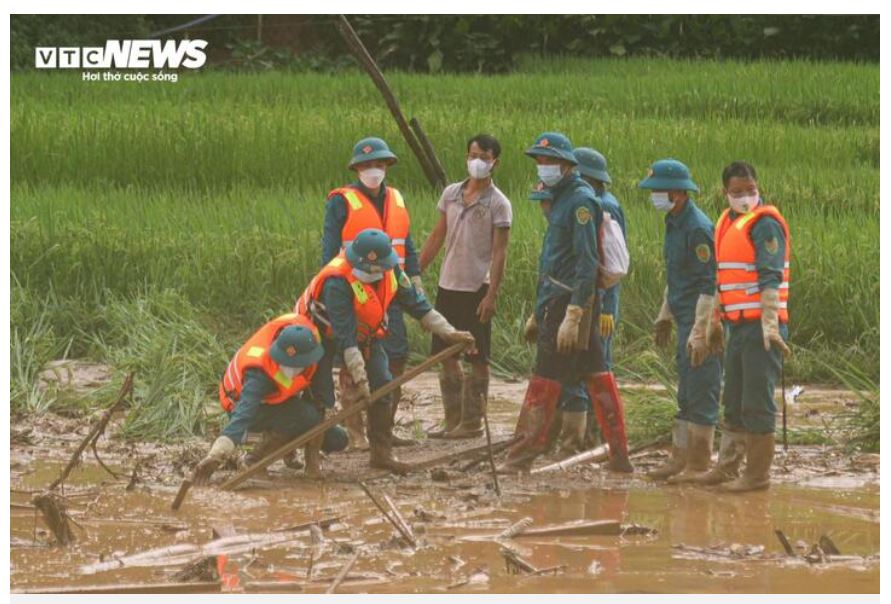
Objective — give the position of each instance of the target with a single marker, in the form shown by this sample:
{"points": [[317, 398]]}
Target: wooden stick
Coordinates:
{"points": [[491, 454], [406, 528], [129, 588], [94, 432], [342, 574], [358, 50], [392, 520], [335, 419], [600, 453], [516, 528], [784, 542], [429, 150], [181, 494]]}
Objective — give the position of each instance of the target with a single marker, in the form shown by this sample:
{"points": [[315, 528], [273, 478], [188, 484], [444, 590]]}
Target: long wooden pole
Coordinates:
{"points": [[335, 419], [354, 43]]}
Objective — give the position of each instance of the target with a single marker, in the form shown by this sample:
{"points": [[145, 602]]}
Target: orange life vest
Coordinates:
{"points": [[370, 300], [362, 214], [738, 289], [255, 355]]}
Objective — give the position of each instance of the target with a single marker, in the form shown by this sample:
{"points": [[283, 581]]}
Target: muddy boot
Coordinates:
{"points": [[269, 442], [533, 425], [604, 393], [678, 459], [292, 461], [354, 425], [473, 405], [450, 386], [759, 457], [313, 457], [379, 434], [397, 368], [699, 453], [730, 457], [572, 433]]}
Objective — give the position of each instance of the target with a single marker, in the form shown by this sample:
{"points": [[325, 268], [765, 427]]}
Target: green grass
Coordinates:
{"points": [[214, 188]]}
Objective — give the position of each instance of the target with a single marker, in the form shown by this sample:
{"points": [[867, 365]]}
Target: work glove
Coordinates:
{"points": [[419, 285], [607, 325], [568, 334], [436, 324], [663, 324], [530, 331], [770, 322], [715, 336], [222, 448], [355, 365], [697, 342]]}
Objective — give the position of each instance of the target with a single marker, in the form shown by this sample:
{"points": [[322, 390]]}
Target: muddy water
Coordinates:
{"points": [[455, 523]]}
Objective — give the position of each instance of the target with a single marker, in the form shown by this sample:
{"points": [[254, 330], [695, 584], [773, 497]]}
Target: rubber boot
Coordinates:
{"points": [[312, 456], [759, 457], [450, 386], [604, 393], [380, 426], [269, 442], [731, 454], [572, 433], [397, 368], [699, 453], [354, 425], [677, 459], [473, 406], [533, 425]]}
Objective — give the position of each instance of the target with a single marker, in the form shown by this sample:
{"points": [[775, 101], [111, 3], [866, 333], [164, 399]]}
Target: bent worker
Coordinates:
{"points": [[566, 353], [369, 203], [688, 301], [474, 223], [267, 387], [348, 300], [753, 250]]}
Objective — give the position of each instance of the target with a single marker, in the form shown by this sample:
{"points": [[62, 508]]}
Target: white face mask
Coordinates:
{"points": [[745, 203], [479, 168], [661, 201], [292, 372], [372, 177], [550, 174], [366, 277]]}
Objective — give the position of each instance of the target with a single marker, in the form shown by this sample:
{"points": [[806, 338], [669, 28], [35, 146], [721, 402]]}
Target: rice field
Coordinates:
{"points": [[172, 219]]}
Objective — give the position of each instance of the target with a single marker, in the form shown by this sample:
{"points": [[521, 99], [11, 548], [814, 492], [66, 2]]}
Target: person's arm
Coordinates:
{"points": [[256, 387], [434, 242], [703, 264], [335, 218], [338, 300], [486, 308], [584, 243], [412, 301], [770, 252], [412, 262]]}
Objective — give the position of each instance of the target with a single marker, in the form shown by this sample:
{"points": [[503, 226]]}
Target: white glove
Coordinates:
{"points": [[697, 343], [436, 324], [568, 333], [419, 285], [663, 323], [222, 448], [355, 364], [770, 322]]}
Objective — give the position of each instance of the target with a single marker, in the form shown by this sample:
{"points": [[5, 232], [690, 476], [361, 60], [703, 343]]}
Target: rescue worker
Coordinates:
{"points": [[566, 290], [369, 203], [753, 249], [688, 301], [348, 300], [267, 386]]}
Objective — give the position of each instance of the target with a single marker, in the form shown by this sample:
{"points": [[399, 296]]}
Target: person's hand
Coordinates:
{"points": [[607, 325], [530, 330], [568, 333], [355, 365], [770, 323], [697, 350], [486, 308], [662, 333], [219, 451], [715, 337], [418, 284]]}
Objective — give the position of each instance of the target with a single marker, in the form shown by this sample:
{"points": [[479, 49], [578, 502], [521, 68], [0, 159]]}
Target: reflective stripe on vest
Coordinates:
{"points": [[748, 306], [362, 214]]}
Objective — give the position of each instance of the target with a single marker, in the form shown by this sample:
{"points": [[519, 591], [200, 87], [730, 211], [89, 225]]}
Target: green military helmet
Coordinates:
{"points": [[592, 164], [371, 251], [668, 175], [540, 192], [371, 148], [552, 144], [297, 346]]}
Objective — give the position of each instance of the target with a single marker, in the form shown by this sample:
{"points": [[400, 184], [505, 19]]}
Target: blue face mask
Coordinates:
{"points": [[366, 277], [550, 174], [661, 201]]}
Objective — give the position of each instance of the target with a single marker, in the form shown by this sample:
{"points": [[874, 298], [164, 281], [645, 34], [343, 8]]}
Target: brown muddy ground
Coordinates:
{"points": [[706, 541]]}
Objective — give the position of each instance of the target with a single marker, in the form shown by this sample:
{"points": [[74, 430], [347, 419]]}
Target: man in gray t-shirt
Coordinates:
{"points": [[474, 223]]}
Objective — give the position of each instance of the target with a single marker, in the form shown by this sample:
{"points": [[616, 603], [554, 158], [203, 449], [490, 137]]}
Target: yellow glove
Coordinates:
{"points": [[715, 336], [607, 325], [663, 324], [770, 323], [530, 331], [697, 343], [568, 334]]}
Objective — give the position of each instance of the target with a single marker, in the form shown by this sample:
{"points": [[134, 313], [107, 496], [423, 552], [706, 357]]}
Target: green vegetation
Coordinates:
{"points": [[159, 224]]}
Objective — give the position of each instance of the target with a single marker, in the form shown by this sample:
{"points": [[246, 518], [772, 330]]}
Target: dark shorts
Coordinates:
{"points": [[459, 309], [567, 369]]}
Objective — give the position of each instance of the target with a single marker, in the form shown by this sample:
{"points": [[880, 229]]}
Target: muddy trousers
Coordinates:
{"points": [[699, 388], [292, 418]]}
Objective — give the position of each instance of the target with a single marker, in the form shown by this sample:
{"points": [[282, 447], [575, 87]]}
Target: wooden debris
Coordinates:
{"points": [[202, 570], [342, 574], [516, 528], [515, 564], [218, 531], [596, 454], [784, 542], [55, 516], [129, 588], [181, 494], [388, 514], [489, 451], [305, 526], [94, 433], [579, 528], [828, 546]]}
